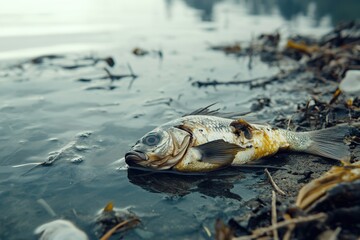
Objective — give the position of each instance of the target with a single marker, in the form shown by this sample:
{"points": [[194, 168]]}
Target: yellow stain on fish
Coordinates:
{"points": [[203, 142]]}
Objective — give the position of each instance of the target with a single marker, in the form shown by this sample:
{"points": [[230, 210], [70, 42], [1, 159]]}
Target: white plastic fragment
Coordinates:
{"points": [[351, 82], [60, 230]]}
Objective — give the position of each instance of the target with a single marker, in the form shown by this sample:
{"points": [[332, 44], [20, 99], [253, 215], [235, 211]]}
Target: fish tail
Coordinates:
{"points": [[327, 142]]}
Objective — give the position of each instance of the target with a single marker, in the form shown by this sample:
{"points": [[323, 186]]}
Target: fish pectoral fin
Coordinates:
{"points": [[240, 127], [218, 152]]}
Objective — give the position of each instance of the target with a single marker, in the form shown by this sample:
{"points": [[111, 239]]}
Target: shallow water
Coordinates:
{"points": [[65, 107]]}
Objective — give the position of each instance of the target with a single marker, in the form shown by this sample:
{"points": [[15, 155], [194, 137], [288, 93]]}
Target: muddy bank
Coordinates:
{"points": [[332, 210]]}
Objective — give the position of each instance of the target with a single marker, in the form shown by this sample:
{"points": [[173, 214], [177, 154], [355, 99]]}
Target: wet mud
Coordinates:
{"points": [[328, 107]]}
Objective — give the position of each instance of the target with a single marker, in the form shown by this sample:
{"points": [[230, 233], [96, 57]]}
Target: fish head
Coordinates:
{"points": [[159, 149]]}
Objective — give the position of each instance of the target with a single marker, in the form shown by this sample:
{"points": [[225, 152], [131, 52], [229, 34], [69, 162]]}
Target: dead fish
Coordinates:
{"points": [[60, 230], [203, 141]]}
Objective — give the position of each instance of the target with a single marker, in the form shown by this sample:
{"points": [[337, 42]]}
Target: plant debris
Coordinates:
{"points": [[143, 52], [318, 188], [327, 206], [327, 58], [112, 220], [275, 186]]}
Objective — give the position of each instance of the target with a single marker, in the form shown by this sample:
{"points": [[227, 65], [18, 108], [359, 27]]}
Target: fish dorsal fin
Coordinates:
{"points": [[240, 127], [216, 112], [204, 111], [218, 152]]}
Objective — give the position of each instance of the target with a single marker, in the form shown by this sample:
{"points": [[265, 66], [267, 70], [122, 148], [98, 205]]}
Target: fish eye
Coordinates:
{"points": [[151, 139]]}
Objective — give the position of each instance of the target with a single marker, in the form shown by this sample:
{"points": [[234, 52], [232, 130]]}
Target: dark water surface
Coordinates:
{"points": [[65, 107]]}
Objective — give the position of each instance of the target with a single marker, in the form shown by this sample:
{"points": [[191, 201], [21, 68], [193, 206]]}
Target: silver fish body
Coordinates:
{"points": [[200, 143]]}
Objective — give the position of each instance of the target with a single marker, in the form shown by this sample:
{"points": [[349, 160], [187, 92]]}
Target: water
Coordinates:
{"points": [[49, 109]]}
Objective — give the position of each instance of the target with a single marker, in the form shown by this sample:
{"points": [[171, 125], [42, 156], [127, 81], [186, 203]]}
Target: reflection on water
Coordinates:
{"points": [[217, 184], [336, 11], [206, 7], [46, 27]]}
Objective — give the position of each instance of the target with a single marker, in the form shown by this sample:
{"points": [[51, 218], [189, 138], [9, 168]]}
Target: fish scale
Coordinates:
{"points": [[204, 142]]}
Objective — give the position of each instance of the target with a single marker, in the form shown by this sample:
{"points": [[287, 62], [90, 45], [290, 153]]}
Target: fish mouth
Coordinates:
{"points": [[133, 158]]}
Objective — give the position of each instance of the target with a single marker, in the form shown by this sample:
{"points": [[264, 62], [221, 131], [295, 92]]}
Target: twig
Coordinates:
{"points": [[252, 82], [267, 81], [335, 96], [130, 70], [47, 207], [114, 229], [353, 67], [207, 231], [274, 215], [35, 165], [335, 234], [233, 82], [262, 166], [119, 77], [275, 186], [250, 63], [28, 164], [112, 77], [260, 231], [289, 122], [291, 227], [350, 45]]}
